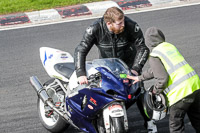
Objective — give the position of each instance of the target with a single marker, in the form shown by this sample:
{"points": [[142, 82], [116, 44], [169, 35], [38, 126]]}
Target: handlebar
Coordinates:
{"points": [[93, 77]]}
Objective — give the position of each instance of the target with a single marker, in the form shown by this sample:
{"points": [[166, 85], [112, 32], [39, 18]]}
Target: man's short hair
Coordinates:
{"points": [[113, 14]]}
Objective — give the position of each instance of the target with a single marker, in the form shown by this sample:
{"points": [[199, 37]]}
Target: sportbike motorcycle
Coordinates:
{"points": [[97, 107]]}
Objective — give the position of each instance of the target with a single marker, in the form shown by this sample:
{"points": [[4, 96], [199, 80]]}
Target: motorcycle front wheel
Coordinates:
{"points": [[55, 123], [117, 125], [100, 125]]}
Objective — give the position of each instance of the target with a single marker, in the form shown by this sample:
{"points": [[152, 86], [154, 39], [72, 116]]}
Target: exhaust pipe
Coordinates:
{"points": [[41, 92]]}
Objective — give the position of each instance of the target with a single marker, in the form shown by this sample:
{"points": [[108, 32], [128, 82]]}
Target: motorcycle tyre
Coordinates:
{"points": [[117, 125], [58, 127], [100, 125]]}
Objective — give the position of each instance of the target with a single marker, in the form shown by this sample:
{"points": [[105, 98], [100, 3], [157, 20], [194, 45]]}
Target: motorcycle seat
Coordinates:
{"points": [[65, 69]]}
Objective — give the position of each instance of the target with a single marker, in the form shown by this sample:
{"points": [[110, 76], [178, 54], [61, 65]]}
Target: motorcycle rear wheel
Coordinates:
{"points": [[55, 125]]}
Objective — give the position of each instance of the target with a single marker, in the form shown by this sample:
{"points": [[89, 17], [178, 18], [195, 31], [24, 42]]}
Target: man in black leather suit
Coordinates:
{"points": [[116, 36]]}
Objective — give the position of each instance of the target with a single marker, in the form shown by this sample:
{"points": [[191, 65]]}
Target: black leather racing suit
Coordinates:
{"points": [[128, 45]]}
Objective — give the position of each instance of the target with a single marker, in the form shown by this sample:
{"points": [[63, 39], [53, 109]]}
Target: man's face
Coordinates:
{"points": [[118, 26]]}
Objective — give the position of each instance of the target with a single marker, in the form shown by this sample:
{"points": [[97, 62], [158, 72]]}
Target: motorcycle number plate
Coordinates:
{"points": [[116, 110]]}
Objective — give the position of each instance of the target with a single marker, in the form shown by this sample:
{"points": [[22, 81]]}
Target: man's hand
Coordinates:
{"points": [[82, 80], [135, 78]]}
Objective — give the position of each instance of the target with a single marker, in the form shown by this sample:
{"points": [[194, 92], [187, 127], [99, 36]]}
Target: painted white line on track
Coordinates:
{"points": [[87, 18]]}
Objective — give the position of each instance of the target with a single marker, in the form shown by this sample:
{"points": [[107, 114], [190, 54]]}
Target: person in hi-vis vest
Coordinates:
{"points": [[175, 77]]}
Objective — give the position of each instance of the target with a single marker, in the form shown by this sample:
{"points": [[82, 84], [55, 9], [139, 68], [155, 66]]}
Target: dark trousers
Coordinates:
{"points": [[189, 105]]}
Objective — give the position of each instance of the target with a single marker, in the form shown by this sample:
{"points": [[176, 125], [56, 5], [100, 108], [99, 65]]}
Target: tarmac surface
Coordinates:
{"points": [[19, 60]]}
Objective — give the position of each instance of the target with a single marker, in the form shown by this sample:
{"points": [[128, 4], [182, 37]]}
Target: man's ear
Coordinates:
{"points": [[108, 23]]}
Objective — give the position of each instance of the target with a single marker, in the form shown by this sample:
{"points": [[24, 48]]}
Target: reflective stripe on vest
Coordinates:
{"points": [[172, 69], [183, 80], [187, 76]]}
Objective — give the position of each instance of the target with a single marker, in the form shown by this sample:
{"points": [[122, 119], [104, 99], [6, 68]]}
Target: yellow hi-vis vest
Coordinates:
{"points": [[183, 80]]}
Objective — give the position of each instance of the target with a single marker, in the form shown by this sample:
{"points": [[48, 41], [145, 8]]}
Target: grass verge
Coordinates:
{"points": [[14, 6]]}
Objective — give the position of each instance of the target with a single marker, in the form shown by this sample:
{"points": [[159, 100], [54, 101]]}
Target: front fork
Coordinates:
{"points": [[116, 109]]}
